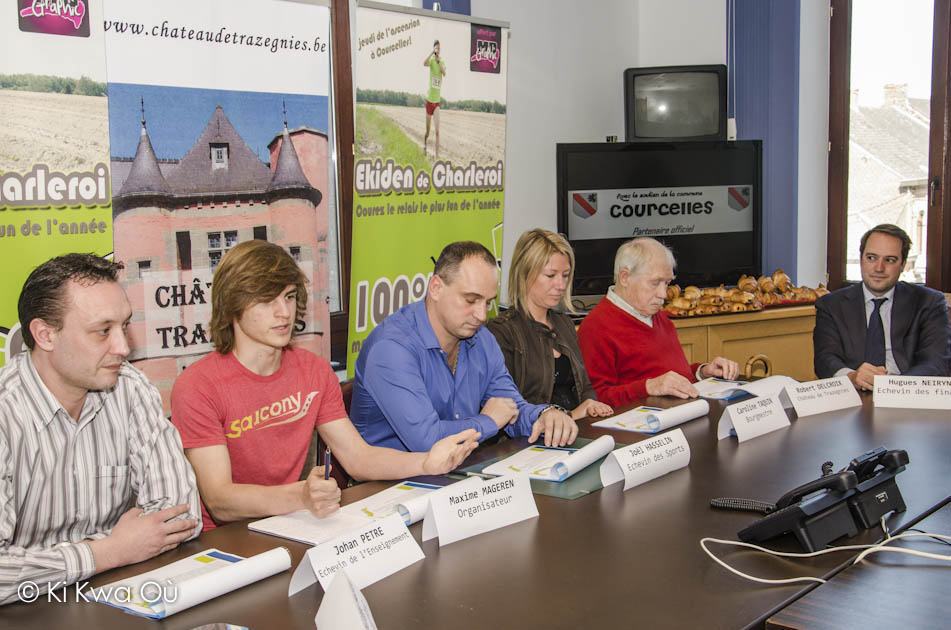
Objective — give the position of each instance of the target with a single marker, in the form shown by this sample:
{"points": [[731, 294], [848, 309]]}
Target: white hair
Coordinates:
{"points": [[636, 254]]}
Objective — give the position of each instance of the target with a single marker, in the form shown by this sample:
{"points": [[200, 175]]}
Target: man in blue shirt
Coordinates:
{"points": [[431, 369]]}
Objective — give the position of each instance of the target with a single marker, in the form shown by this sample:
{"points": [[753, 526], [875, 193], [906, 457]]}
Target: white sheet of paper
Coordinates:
{"points": [[190, 581], [827, 394], [344, 607], [304, 527], [369, 554], [476, 506], [717, 388], [654, 419], [752, 418], [912, 392], [552, 463], [646, 460]]}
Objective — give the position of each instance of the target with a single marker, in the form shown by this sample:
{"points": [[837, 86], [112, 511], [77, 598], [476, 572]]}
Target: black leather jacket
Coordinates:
{"points": [[527, 347]]}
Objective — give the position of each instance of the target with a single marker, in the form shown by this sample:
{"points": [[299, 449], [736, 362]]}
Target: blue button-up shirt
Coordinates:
{"points": [[406, 397]]}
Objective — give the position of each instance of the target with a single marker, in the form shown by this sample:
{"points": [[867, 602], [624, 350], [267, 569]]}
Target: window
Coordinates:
{"points": [[214, 258], [214, 240], [260, 232], [219, 155], [144, 265], [295, 253], [888, 152], [231, 239], [184, 242]]}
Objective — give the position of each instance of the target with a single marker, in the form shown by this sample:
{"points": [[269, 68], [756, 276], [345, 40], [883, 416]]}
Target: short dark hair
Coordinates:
{"points": [[43, 293], [890, 230], [251, 272], [453, 254]]}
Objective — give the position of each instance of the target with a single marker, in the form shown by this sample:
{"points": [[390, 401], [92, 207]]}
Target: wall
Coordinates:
{"points": [[565, 65]]}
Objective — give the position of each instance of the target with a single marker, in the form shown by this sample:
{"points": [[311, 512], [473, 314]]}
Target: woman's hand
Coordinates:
{"points": [[591, 407]]}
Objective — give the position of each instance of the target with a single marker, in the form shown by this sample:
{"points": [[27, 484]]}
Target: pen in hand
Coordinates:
{"points": [[327, 464]]}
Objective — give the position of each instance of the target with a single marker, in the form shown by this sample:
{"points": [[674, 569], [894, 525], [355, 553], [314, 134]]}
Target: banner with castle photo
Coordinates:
{"points": [[218, 120], [429, 152], [54, 144]]}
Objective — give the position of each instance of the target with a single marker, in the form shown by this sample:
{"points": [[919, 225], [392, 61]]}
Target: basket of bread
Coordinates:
{"points": [[749, 294]]}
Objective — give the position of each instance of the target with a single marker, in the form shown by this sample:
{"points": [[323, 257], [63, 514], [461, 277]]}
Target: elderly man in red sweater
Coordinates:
{"points": [[630, 348]]}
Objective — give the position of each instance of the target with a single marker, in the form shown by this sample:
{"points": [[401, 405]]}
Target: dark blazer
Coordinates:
{"points": [[919, 331]]}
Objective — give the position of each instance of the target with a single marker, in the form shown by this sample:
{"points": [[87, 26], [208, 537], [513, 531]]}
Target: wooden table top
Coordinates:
{"points": [[609, 558]]}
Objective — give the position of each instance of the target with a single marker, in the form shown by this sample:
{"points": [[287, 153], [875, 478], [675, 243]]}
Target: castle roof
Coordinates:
{"points": [[144, 176], [196, 172], [288, 172]]}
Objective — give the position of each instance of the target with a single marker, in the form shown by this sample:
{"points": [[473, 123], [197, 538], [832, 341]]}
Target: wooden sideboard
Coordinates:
{"points": [[783, 334]]}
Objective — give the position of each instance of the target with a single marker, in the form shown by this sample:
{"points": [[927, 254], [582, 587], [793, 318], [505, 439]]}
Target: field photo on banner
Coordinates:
{"points": [[429, 153], [218, 122], [54, 145]]}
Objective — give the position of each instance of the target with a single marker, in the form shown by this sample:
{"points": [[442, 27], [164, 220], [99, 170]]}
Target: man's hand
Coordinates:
{"points": [[558, 427], [138, 536], [502, 410], [864, 377], [321, 497], [671, 384], [591, 407], [722, 368], [449, 452]]}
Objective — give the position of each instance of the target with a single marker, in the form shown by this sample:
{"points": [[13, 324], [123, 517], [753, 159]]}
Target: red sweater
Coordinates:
{"points": [[621, 353]]}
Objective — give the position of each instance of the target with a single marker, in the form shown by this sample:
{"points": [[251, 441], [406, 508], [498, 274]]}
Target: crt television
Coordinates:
{"points": [[701, 199], [672, 103]]}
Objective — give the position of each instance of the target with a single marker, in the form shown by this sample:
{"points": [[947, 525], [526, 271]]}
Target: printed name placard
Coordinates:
{"points": [[912, 392], [643, 461], [827, 394], [344, 607], [752, 418], [476, 506], [369, 554]]}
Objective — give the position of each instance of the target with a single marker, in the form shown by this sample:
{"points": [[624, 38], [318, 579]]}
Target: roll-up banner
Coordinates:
{"points": [[54, 144], [429, 151], [218, 120]]}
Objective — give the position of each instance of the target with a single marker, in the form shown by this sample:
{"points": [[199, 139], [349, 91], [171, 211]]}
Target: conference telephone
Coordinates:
{"points": [[834, 505]]}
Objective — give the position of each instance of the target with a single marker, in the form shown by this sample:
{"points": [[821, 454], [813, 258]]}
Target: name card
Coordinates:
{"points": [[647, 460], [912, 392], [752, 418], [827, 394], [344, 607], [476, 506], [369, 554]]}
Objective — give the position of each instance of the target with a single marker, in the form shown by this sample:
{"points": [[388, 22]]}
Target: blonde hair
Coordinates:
{"points": [[532, 252], [250, 272]]}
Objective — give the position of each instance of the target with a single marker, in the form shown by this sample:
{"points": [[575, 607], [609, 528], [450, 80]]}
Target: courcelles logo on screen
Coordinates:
{"points": [[54, 17]]}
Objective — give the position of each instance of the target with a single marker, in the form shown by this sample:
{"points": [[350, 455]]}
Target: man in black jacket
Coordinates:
{"points": [[882, 326]]}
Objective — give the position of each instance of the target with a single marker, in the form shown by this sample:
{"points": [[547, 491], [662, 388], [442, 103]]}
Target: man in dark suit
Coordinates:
{"points": [[881, 326]]}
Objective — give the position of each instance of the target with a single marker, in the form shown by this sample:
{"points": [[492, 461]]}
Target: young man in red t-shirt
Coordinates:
{"points": [[246, 411]]}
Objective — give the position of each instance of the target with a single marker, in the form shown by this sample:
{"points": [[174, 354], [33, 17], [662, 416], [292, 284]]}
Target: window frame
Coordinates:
{"points": [[938, 246]]}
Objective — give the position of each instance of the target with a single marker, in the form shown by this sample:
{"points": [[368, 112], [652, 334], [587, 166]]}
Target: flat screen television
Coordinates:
{"points": [[671, 103], [702, 199]]}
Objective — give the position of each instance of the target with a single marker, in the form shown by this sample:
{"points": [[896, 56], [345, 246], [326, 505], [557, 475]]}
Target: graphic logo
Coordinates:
{"points": [[54, 17], [485, 52], [584, 204], [739, 198]]}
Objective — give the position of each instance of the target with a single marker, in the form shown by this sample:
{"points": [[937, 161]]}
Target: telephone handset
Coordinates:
{"points": [[835, 504], [840, 483]]}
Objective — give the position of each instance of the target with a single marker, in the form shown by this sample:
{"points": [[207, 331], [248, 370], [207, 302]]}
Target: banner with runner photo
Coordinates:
{"points": [[54, 144], [218, 117], [429, 152]]}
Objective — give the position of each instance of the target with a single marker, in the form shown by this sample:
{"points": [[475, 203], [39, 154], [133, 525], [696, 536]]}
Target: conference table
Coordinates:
{"points": [[607, 559]]}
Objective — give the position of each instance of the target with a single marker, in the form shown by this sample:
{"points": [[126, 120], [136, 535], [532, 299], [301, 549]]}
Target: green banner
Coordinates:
{"points": [[429, 154], [55, 195]]}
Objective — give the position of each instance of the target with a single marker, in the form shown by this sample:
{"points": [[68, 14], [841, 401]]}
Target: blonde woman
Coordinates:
{"points": [[537, 338]]}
